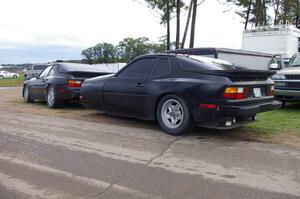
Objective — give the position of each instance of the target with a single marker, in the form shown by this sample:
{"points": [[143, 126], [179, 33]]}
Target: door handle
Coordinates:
{"points": [[141, 85]]}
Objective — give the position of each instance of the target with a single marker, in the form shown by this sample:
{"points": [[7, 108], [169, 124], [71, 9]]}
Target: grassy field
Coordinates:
{"points": [[12, 82], [283, 121]]}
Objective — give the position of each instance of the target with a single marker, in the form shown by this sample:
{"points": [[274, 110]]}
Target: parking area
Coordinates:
{"points": [[75, 153]]}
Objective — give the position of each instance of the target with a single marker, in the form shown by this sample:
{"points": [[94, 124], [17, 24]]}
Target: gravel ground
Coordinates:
{"points": [[75, 153]]}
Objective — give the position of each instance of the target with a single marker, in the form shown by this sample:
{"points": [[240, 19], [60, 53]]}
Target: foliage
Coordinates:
{"points": [[257, 12], [125, 51]]}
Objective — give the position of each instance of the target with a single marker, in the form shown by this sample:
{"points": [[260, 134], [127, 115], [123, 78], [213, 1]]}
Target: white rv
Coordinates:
{"points": [[281, 40]]}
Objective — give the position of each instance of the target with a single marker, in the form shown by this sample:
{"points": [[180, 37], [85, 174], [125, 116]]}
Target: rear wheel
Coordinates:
{"points": [[173, 115], [26, 95], [1, 77], [52, 101], [15, 76]]}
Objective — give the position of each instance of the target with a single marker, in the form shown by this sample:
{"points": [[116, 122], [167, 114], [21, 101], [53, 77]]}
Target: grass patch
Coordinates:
{"points": [[12, 82], [283, 121]]}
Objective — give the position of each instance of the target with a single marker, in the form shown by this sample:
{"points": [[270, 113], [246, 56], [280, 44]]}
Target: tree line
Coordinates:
{"points": [[253, 12], [168, 9], [266, 12], [125, 51]]}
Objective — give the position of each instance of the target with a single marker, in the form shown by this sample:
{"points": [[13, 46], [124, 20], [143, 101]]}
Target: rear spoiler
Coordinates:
{"points": [[239, 75], [84, 75], [243, 73]]}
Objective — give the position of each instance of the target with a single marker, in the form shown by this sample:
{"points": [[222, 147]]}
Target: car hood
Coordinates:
{"points": [[289, 71]]}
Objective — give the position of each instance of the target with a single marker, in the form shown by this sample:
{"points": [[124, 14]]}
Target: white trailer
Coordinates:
{"points": [[280, 39], [246, 59]]}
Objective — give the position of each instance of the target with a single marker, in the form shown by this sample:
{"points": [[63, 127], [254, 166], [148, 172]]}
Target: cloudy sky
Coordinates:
{"points": [[46, 30]]}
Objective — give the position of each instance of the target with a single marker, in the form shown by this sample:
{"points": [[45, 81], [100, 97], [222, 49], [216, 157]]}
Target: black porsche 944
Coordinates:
{"points": [[179, 91], [59, 82]]}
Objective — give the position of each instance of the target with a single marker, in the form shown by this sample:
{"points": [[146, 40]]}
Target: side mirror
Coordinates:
{"points": [[274, 66]]}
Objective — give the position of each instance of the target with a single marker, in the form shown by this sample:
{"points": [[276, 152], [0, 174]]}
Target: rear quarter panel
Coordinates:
{"points": [[194, 89]]}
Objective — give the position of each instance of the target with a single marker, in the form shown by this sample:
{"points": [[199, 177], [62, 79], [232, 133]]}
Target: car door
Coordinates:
{"points": [[38, 85], [5, 74], [126, 93]]}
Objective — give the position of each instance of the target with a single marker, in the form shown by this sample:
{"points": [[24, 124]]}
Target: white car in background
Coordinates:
{"points": [[5, 75]]}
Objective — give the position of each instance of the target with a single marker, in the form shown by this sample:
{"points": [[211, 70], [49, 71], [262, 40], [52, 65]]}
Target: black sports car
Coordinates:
{"points": [[179, 91], [59, 82]]}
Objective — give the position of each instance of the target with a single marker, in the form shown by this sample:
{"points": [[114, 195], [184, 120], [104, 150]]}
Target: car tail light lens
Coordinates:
{"points": [[74, 83], [271, 90], [208, 106], [236, 93]]}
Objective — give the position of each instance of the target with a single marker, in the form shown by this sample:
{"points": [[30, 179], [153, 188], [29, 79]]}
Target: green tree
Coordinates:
{"points": [[130, 48], [89, 55], [101, 53], [105, 53], [165, 8]]}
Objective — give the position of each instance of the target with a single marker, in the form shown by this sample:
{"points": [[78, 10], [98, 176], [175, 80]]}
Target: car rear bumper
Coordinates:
{"points": [[287, 95], [233, 116], [68, 94]]}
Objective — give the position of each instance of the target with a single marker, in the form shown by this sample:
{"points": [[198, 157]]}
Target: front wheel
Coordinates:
{"points": [[52, 101], [173, 115], [15, 77], [1, 77]]}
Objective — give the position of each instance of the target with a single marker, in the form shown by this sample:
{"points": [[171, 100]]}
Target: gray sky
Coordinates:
{"points": [[45, 30]]}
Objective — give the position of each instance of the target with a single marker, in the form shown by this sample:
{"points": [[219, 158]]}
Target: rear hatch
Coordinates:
{"points": [[253, 85], [82, 71]]}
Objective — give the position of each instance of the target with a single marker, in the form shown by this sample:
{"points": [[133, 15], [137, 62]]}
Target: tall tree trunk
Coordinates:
{"points": [[168, 25], [285, 10], [178, 24], [187, 24], [192, 39], [264, 13], [276, 8], [297, 14], [248, 14], [257, 13]]}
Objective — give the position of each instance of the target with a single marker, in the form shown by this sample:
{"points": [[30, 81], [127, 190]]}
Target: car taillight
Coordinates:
{"points": [[74, 83], [236, 93], [271, 90]]}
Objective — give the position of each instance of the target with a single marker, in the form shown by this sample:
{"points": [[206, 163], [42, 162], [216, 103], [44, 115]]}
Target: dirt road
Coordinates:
{"points": [[74, 153]]}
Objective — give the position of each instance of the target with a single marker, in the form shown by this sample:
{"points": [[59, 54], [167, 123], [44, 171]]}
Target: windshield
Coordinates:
{"points": [[295, 61], [194, 62]]}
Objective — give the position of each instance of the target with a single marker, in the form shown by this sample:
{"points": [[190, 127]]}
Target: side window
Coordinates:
{"points": [[45, 72], [52, 71], [138, 69], [162, 68]]}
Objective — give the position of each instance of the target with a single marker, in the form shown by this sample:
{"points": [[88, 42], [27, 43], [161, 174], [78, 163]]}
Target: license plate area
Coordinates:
{"points": [[257, 92]]}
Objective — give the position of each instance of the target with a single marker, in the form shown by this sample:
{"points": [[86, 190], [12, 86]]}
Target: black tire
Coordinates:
{"points": [[51, 98], [26, 95], [1, 77], [174, 121], [15, 77], [283, 104]]}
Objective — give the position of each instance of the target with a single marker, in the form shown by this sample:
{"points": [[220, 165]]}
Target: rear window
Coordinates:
{"points": [[203, 63], [71, 67], [39, 67]]}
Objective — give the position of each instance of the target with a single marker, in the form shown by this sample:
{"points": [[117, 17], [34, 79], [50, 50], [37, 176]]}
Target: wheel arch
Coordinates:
{"points": [[158, 99], [23, 89]]}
